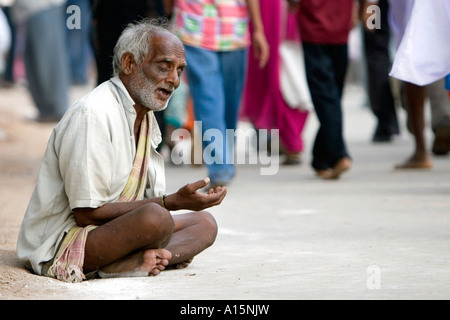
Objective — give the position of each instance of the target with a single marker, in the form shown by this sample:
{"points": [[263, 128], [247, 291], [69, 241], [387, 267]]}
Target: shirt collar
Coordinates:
{"points": [[127, 101], [128, 104]]}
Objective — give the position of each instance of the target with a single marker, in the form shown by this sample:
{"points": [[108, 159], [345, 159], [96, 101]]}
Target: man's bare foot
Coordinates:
{"points": [[341, 166], [180, 265], [143, 263], [417, 161]]}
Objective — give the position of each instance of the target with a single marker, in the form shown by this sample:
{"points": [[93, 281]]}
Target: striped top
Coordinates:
{"points": [[218, 25]]}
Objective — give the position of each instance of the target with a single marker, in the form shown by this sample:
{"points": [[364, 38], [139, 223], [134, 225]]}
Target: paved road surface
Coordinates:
{"points": [[376, 233]]}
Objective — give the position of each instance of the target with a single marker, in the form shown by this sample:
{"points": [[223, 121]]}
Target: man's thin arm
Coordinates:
{"points": [[108, 212], [187, 198]]}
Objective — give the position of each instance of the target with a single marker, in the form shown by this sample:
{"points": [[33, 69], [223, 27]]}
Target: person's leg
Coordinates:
{"points": [[107, 31], [317, 66], [207, 90], [119, 245], [440, 117], [340, 157], [79, 45], [147, 240], [291, 123], [415, 99], [325, 79], [233, 66], [376, 44], [193, 233], [46, 63], [339, 59]]}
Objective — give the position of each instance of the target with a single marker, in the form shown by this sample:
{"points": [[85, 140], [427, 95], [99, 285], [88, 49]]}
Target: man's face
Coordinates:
{"points": [[153, 82]]}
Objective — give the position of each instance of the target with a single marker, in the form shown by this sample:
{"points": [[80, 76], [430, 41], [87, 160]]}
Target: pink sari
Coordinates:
{"points": [[263, 103]]}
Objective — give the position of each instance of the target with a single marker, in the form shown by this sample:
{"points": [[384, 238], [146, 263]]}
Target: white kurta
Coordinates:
{"points": [[424, 53], [5, 39], [87, 163]]}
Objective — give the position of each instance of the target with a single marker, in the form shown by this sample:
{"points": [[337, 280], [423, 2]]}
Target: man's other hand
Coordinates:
{"points": [[189, 197]]}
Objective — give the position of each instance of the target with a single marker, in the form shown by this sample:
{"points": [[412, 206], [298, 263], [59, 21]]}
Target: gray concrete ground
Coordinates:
{"points": [[376, 233]]}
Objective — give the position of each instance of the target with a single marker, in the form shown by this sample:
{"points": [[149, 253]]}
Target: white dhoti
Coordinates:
{"points": [[424, 53]]}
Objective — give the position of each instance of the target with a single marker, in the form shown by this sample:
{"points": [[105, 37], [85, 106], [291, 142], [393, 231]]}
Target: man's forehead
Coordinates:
{"points": [[164, 43]]}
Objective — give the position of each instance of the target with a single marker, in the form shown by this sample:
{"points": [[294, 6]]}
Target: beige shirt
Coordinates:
{"points": [[87, 163]]}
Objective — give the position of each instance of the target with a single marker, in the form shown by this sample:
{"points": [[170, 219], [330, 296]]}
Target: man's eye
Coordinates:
{"points": [[162, 67]]}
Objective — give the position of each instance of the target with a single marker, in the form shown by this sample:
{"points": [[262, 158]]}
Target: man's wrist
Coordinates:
{"points": [[163, 201], [169, 202]]}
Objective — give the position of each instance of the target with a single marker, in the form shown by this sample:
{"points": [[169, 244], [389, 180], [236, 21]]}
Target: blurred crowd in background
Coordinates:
{"points": [[51, 45]]}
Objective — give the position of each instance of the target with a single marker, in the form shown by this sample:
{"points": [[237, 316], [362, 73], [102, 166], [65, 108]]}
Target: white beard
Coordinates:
{"points": [[144, 90]]}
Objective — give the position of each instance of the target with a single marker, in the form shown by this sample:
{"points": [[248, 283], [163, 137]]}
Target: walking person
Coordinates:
{"points": [[325, 26], [46, 63], [376, 48], [422, 63], [79, 43], [216, 38], [263, 102]]}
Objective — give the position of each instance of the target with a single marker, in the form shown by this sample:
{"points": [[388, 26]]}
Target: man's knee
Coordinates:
{"points": [[209, 225], [157, 223]]}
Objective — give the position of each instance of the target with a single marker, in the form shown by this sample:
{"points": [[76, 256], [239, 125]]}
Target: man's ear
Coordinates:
{"points": [[127, 63]]}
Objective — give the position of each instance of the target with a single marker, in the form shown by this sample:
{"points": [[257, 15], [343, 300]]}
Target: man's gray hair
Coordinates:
{"points": [[135, 39]]}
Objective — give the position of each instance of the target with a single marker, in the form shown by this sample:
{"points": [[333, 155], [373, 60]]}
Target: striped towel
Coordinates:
{"points": [[68, 262], [135, 187]]}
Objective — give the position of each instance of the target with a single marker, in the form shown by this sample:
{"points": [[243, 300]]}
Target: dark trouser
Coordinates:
{"points": [[47, 67], [112, 17], [326, 67], [376, 44], [79, 43]]}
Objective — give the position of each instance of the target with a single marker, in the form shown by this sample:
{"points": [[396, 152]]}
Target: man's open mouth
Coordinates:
{"points": [[165, 93]]}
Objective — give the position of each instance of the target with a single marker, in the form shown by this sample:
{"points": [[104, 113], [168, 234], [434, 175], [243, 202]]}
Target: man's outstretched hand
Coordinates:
{"points": [[189, 197]]}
